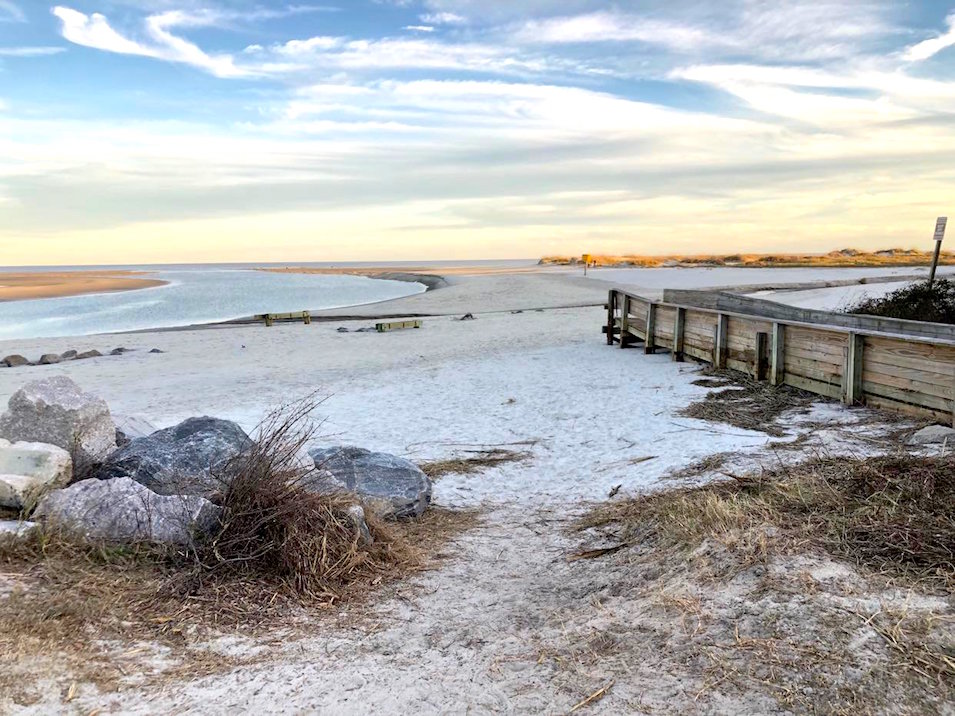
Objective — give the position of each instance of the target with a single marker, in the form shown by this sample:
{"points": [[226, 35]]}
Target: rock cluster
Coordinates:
{"points": [[16, 360], [154, 485]]}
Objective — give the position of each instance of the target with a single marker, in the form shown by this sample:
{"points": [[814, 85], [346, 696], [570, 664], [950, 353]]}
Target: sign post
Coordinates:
{"points": [[939, 235], [586, 258]]}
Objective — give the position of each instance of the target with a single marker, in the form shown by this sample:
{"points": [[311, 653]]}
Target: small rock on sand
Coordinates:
{"points": [[48, 359], [14, 361], [88, 354], [68, 355]]}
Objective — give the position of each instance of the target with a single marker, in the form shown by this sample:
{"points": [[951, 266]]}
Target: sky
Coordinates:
{"points": [[156, 131]]}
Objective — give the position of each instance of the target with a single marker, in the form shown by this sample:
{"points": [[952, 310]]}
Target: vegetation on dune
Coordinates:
{"points": [[915, 302], [843, 257]]}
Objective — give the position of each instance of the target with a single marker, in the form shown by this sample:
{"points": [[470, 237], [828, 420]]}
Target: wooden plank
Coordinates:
{"points": [[829, 390], [650, 343], [940, 390], [777, 357], [611, 315], [761, 365], [905, 354], [625, 321], [396, 326], [811, 369], [821, 358], [719, 348], [874, 366], [679, 325], [907, 396], [878, 401], [852, 374]]}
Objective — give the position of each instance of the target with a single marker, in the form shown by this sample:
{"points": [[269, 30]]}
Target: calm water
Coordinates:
{"points": [[195, 294]]}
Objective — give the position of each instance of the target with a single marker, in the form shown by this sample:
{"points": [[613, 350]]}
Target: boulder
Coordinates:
{"points": [[156, 350], [119, 351], [68, 355], [55, 411], [27, 470], [933, 435], [121, 510], [88, 354], [14, 361], [185, 459], [392, 486], [130, 427], [48, 359]]}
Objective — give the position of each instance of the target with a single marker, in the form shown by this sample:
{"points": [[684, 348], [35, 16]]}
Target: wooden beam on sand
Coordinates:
{"points": [[777, 356], [649, 343], [679, 330]]}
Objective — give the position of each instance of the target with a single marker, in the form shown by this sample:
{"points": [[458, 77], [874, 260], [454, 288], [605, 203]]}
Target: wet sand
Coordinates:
{"points": [[26, 285]]}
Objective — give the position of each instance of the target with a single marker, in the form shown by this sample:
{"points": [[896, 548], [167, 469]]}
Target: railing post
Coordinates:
{"points": [[611, 311], [649, 345], [759, 365], [679, 326], [719, 349], [625, 321], [777, 360], [852, 373]]}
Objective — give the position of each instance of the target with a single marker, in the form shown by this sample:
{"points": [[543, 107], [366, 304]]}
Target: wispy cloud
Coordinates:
{"points": [[10, 12], [931, 47], [30, 51], [443, 18]]}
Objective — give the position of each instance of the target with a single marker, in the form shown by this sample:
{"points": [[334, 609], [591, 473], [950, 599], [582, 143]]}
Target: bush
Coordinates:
{"points": [[915, 302]]}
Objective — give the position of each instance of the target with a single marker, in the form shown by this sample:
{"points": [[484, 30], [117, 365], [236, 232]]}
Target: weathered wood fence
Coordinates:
{"points": [[848, 360]]}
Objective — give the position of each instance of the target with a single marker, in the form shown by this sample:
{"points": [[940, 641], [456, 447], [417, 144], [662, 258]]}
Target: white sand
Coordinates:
{"points": [[467, 638]]}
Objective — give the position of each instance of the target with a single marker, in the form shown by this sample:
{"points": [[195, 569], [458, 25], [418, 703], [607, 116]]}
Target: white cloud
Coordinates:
{"points": [[443, 18], [612, 26], [929, 48], [95, 31], [30, 51], [419, 28], [10, 12]]}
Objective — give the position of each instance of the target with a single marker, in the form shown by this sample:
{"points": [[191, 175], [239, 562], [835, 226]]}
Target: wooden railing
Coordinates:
{"points": [[911, 374]]}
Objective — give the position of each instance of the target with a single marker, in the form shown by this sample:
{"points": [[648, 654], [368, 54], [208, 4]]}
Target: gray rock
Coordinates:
{"points": [[48, 359], [17, 529], [14, 361], [55, 411], [185, 459], [28, 470], [933, 435], [88, 354], [130, 427], [392, 486], [122, 510], [68, 355], [119, 351], [156, 350]]}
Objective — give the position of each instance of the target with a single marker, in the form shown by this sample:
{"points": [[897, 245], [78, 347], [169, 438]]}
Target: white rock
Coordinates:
{"points": [[55, 411], [27, 470], [16, 528], [934, 435], [122, 510]]}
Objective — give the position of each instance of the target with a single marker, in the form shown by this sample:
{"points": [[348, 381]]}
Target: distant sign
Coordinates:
{"points": [[940, 228]]}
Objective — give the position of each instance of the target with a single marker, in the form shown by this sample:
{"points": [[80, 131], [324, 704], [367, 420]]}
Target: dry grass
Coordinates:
{"points": [[749, 404], [280, 554], [843, 257], [752, 621], [891, 515], [472, 461]]}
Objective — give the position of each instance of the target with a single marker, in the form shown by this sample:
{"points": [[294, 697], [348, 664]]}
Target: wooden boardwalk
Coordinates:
{"points": [[902, 366]]}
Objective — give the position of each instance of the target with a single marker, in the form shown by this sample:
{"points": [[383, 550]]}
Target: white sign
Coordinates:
{"points": [[940, 228]]}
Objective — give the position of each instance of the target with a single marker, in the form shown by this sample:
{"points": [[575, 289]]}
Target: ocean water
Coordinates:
{"points": [[195, 294]]}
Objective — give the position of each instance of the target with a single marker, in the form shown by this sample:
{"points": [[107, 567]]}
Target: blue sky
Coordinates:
{"points": [[212, 130]]}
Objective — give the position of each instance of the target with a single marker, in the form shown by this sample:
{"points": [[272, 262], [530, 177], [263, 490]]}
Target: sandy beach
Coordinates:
{"points": [[20, 286], [508, 623]]}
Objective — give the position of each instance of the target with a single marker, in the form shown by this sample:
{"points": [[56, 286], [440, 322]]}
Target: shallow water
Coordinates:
{"points": [[194, 295]]}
